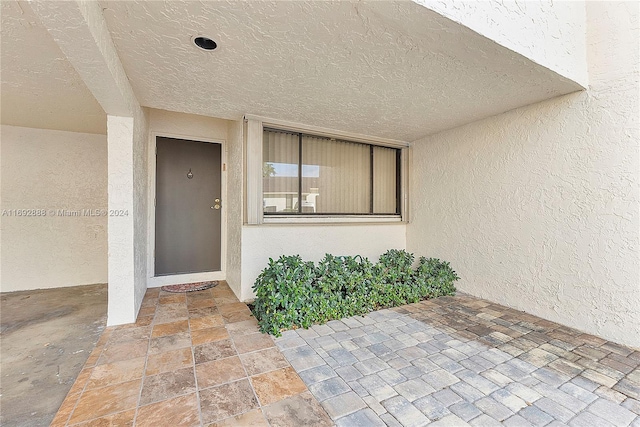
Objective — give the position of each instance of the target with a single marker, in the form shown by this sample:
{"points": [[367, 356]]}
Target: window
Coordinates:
{"points": [[310, 175]]}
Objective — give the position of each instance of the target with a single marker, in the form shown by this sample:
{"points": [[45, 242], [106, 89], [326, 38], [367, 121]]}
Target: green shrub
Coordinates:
{"points": [[282, 293], [292, 293]]}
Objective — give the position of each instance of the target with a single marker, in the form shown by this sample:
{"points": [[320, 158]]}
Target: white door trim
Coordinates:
{"points": [[156, 281]]}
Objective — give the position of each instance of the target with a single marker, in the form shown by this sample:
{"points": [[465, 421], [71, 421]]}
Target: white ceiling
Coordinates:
{"points": [[39, 87], [388, 69]]}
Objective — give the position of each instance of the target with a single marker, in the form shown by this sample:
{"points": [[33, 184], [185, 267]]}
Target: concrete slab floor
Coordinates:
{"points": [[46, 337]]}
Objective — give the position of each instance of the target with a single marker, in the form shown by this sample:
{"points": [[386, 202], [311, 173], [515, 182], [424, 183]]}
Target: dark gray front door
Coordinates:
{"points": [[188, 206]]}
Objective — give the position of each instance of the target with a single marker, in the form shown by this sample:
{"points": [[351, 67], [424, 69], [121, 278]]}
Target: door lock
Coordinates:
{"points": [[216, 205]]}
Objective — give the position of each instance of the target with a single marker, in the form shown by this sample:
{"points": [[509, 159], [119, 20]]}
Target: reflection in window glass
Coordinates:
{"points": [[280, 172], [304, 174]]}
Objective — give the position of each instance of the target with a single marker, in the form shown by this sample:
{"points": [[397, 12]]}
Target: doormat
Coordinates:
{"points": [[190, 287]]}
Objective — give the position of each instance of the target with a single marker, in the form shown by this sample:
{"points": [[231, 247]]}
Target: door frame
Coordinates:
{"points": [[154, 281]]}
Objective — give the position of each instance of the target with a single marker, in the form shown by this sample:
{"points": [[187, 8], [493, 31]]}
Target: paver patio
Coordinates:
{"points": [[199, 360], [464, 361]]}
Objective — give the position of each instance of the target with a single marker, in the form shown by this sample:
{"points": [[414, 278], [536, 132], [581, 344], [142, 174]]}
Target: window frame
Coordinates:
{"points": [[254, 212], [301, 135]]}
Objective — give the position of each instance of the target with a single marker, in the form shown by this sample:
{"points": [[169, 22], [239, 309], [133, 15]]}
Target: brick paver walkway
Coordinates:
{"points": [[462, 360]]}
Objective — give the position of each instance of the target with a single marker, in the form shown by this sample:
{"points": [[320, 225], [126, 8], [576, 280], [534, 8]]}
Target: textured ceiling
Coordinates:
{"points": [[388, 69], [40, 88]]}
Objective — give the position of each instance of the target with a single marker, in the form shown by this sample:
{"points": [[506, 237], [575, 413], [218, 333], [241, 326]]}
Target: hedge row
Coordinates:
{"points": [[292, 293]]}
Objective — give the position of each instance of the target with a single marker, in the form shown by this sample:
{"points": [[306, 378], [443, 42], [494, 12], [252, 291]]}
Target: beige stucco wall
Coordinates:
{"points": [[51, 170], [234, 204], [538, 208], [187, 125], [550, 33], [140, 203], [312, 242]]}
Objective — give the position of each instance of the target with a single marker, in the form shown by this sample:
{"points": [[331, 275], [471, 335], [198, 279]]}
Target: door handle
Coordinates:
{"points": [[217, 204]]}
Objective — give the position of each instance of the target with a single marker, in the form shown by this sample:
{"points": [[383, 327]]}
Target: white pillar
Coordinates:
{"points": [[127, 188], [122, 308]]}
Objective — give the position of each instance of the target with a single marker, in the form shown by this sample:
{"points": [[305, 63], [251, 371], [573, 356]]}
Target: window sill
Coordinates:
{"points": [[285, 219]]}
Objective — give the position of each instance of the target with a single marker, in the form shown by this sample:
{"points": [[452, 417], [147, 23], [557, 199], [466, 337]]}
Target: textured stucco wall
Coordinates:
{"points": [[235, 143], [51, 170], [127, 195], [140, 203], [122, 271], [312, 242], [549, 33], [187, 125], [538, 208]]}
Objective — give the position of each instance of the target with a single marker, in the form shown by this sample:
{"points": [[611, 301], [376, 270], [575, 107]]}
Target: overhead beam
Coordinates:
{"points": [[80, 30]]}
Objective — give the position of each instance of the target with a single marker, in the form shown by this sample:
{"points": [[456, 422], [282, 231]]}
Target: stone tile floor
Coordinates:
{"points": [[199, 360], [194, 359], [464, 361]]}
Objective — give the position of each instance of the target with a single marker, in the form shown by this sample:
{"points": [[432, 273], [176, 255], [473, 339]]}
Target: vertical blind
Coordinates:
{"points": [[305, 174], [280, 172], [384, 179]]}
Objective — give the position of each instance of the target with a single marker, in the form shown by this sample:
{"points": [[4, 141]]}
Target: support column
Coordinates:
{"points": [[81, 32], [120, 227]]}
